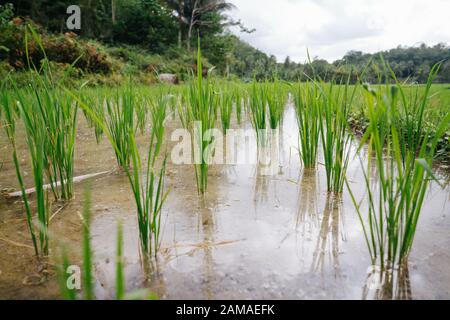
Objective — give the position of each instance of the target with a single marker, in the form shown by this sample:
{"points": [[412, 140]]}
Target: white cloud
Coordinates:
{"points": [[330, 28]]}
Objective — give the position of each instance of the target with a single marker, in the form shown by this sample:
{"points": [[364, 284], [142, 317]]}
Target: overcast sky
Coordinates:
{"points": [[330, 28]]}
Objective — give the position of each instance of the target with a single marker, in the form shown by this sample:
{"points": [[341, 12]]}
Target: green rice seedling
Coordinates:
{"points": [[257, 106], [402, 178], [69, 293], [147, 186], [120, 123], [226, 109], [276, 100], [87, 258], [335, 136], [202, 105], [59, 116], [307, 98], [9, 124], [149, 191]]}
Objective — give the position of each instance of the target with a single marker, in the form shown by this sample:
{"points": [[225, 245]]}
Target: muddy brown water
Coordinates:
{"points": [[251, 237]]}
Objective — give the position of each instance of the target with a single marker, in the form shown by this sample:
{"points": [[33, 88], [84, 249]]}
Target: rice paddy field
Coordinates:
{"points": [[354, 205]]}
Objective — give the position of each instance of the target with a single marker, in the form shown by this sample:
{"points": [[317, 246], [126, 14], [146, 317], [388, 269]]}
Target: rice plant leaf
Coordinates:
{"points": [[423, 163]]}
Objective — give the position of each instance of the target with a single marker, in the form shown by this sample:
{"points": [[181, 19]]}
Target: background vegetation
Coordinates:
{"points": [[142, 38]]}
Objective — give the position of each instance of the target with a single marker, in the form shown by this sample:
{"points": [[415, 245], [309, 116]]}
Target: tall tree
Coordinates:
{"points": [[178, 7]]}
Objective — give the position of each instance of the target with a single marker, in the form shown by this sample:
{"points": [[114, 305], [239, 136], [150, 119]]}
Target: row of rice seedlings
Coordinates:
{"points": [[120, 123], [276, 100], [201, 117], [402, 178], [334, 132], [226, 110], [307, 100], [9, 124]]}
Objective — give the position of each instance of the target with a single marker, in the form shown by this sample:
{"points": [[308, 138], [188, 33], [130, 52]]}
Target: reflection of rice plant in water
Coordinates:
{"points": [[402, 175], [69, 292], [306, 98], [387, 284], [66, 287]]}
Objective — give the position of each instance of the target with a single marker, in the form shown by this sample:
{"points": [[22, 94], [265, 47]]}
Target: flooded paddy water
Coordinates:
{"points": [[251, 236]]}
